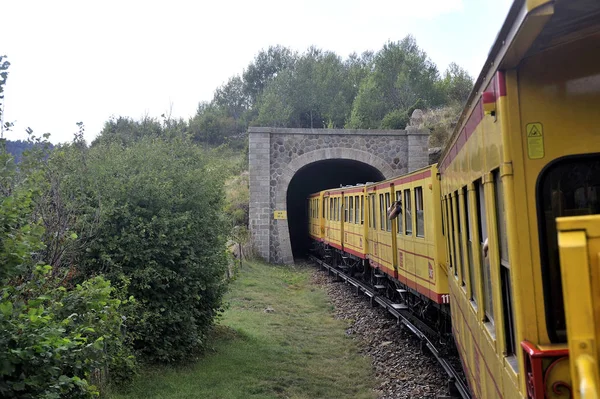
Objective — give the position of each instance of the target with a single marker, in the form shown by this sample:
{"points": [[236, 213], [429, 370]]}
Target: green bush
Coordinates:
{"points": [[57, 337], [54, 339], [162, 229]]}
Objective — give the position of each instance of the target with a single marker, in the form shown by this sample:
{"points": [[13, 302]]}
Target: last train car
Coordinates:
{"points": [[525, 155]]}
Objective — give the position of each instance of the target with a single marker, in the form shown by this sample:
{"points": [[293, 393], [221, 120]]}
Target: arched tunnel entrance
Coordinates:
{"points": [[317, 176]]}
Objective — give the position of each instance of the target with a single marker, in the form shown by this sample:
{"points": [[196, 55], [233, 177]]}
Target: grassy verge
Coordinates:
{"points": [[277, 339]]}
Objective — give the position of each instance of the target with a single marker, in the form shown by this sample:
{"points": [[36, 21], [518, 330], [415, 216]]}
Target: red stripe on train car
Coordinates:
{"points": [[383, 185], [434, 296], [498, 86], [354, 190], [356, 253], [412, 178]]}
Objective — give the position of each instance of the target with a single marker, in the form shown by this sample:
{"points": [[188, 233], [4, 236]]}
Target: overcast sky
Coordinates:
{"points": [[86, 61]]}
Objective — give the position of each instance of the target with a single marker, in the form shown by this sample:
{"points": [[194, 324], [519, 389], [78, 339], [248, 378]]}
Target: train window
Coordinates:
{"points": [[407, 213], [373, 214], [419, 209], [459, 241], [388, 222], [356, 210], [569, 186], [351, 209], [346, 205], [484, 256], [362, 209], [443, 218], [450, 239], [369, 210], [507, 295], [381, 213], [400, 217], [336, 209], [470, 244], [453, 233]]}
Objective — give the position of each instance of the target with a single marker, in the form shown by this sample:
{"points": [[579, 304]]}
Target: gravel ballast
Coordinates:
{"points": [[402, 369]]}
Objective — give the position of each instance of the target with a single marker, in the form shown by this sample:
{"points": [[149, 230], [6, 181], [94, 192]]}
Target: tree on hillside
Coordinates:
{"points": [[316, 93], [212, 124], [265, 67], [402, 76], [232, 98], [456, 84], [126, 131]]}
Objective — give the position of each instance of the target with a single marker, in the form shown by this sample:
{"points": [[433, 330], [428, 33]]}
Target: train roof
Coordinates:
{"points": [[531, 26]]}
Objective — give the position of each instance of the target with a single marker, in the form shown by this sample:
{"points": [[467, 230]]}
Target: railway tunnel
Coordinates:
{"points": [[317, 176]]}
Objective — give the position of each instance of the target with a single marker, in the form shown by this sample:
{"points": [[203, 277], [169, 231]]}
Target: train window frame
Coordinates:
{"points": [[388, 222], [453, 233], [399, 218], [337, 209], [345, 206], [485, 264], [349, 208], [407, 213], [369, 210], [373, 214], [419, 212], [362, 209], [459, 238], [552, 279], [506, 291], [470, 245], [356, 209], [449, 241], [381, 213]]}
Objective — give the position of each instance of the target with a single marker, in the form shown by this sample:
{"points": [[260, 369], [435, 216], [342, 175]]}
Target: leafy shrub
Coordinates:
{"points": [[54, 339], [162, 229]]}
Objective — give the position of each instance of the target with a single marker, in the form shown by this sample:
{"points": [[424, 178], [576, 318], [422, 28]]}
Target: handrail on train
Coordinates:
{"points": [[579, 250], [587, 370]]}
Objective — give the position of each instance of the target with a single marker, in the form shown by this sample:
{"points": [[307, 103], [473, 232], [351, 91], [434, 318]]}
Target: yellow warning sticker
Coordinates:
{"points": [[535, 140], [280, 215]]}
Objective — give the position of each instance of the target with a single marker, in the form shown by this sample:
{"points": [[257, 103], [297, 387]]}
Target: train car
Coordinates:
{"points": [[316, 219], [420, 250], [341, 224], [526, 151], [354, 238]]}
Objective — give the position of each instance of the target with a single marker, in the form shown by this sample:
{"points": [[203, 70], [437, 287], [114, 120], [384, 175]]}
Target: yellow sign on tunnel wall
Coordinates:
{"points": [[535, 140], [281, 215]]}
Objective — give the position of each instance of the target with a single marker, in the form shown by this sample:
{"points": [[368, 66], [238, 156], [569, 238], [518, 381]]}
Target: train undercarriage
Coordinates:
{"points": [[432, 318]]}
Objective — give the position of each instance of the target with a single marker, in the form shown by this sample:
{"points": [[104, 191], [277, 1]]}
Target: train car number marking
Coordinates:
{"points": [[535, 140]]}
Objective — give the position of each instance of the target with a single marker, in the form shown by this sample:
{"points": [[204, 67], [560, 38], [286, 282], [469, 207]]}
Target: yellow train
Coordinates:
{"points": [[500, 239]]}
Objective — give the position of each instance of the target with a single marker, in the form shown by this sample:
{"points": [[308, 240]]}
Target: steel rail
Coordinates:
{"points": [[454, 375]]}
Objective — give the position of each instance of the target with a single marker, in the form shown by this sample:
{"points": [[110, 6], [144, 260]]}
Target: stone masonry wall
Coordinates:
{"points": [[277, 154]]}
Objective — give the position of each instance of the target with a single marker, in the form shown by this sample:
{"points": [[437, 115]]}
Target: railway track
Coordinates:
{"points": [[404, 317]]}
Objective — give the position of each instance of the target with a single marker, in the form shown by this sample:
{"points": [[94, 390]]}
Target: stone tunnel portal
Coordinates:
{"points": [[317, 176]]}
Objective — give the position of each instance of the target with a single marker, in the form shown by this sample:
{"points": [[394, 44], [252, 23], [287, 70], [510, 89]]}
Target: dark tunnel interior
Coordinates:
{"points": [[317, 176]]}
